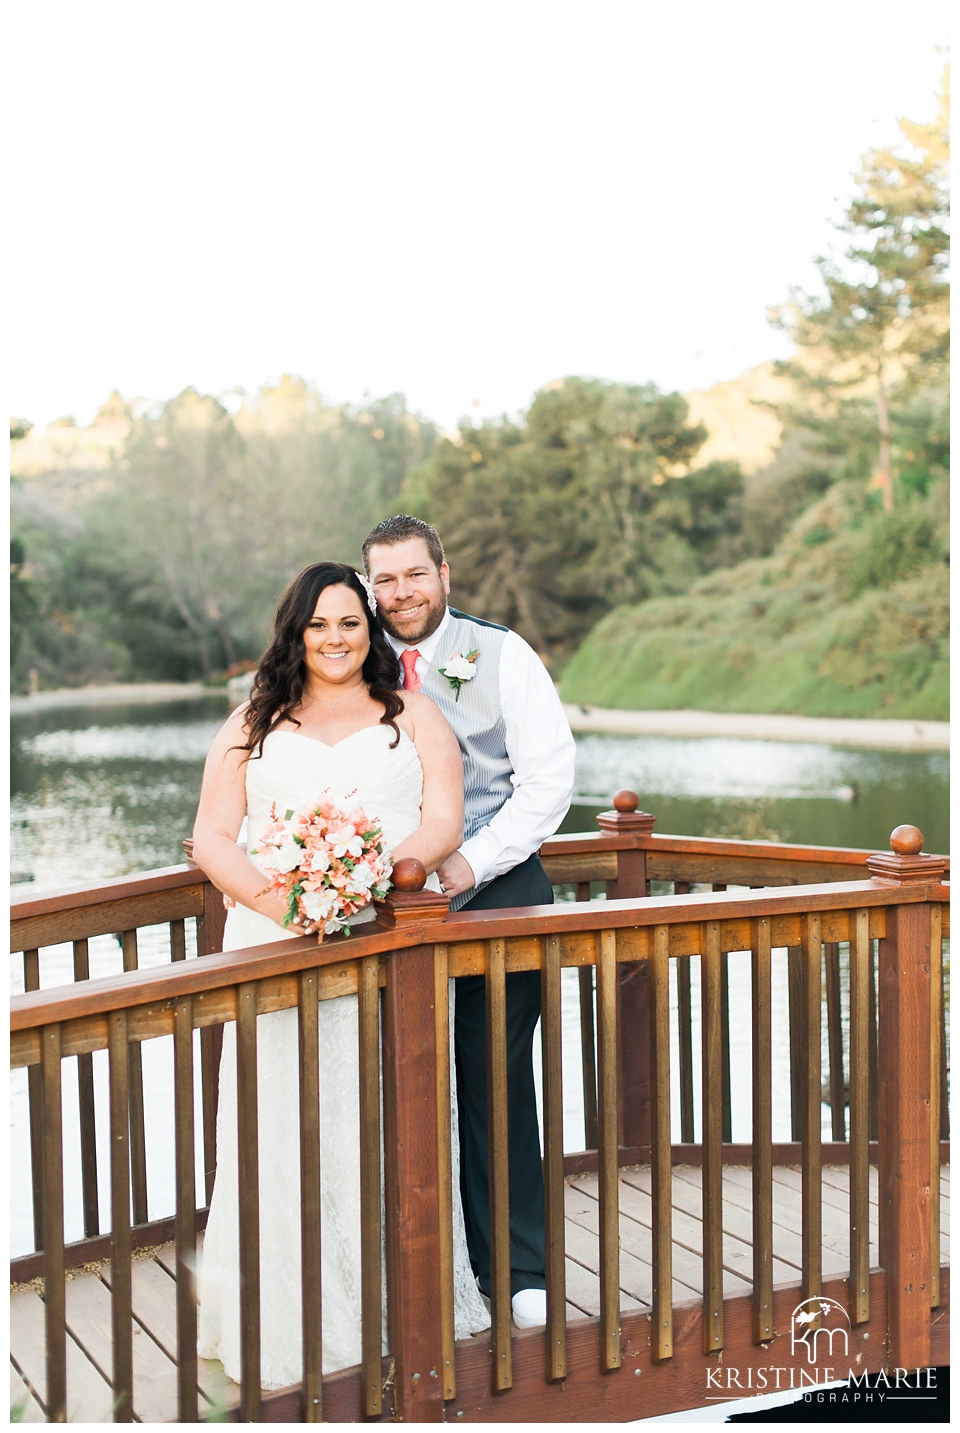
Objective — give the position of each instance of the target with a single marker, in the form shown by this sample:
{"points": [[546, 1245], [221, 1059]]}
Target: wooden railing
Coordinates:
{"points": [[623, 949]]}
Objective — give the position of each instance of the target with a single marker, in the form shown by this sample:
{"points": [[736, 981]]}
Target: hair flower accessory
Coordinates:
{"points": [[460, 669], [368, 588]]}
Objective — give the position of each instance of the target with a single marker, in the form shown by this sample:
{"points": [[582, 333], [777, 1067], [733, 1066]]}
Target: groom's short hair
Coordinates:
{"points": [[398, 529]]}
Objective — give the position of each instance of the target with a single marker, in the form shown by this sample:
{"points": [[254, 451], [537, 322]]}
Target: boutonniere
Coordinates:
{"points": [[460, 669]]}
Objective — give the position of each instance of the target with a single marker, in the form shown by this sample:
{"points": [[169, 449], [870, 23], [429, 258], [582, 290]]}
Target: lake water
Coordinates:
{"points": [[102, 791], [98, 792]]}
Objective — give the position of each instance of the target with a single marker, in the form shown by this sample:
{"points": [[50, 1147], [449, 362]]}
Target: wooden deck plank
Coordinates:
{"points": [[154, 1289], [688, 1223], [786, 1238], [154, 1374], [636, 1213], [636, 1273], [155, 1308], [89, 1396], [737, 1222], [22, 1402], [635, 1278]]}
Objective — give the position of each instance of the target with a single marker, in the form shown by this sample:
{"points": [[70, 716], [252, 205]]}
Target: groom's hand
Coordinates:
{"points": [[455, 875]]}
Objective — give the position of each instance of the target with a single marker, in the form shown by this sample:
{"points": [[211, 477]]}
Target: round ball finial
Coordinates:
{"points": [[626, 801], [409, 874], [906, 841]]}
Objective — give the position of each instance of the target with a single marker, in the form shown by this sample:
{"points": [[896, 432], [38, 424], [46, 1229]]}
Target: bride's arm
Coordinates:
{"points": [[441, 813], [221, 811]]}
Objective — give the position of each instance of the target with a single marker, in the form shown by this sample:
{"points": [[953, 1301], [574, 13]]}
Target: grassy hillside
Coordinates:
{"points": [[848, 618]]}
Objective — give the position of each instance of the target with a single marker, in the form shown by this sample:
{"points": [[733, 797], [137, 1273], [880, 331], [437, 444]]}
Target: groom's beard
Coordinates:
{"points": [[415, 629]]}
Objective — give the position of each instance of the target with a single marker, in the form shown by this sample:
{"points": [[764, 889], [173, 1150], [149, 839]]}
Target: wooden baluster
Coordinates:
{"points": [[138, 1145], [371, 1258], [936, 1017], [762, 1132], [497, 1135], [838, 1118], [904, 1060], [31, 981], [811, 1188], [607, 1152], [634, 998], [944, 1089], [248, 1178], [88, 1114], [551, 1036], [308, 987], [794, 968], [873, 1072], [861, 959], [726, 1104], [178, 940], [660, 1153], [120, 1247], [588, 1056], [186, 1211], [210, 940], [711, 965], [685, 1032], [441, 1000], [54, 1284], [727, 1124]]}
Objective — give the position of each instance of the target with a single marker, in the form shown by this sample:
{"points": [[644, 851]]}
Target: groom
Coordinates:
{"points": [[518, 757]]}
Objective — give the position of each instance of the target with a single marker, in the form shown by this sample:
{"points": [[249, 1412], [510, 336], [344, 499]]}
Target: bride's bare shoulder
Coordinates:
{"points": [[232, 734]]}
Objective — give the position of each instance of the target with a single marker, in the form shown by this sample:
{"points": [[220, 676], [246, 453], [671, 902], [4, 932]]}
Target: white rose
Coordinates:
{"points": [[283, 858], [318, 905], [320, 860], [460, 669]]}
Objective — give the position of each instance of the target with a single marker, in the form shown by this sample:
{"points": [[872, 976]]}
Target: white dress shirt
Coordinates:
{"points": [[541, 750]]}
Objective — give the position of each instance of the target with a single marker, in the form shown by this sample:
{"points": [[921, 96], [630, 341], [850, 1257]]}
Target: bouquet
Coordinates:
{"points": [[328, 861]]}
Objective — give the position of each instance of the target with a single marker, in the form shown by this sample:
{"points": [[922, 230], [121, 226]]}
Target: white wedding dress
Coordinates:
{"points": [[388, 784]]}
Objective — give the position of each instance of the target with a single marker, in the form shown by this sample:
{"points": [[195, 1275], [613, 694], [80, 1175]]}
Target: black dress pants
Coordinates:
{"points": [[525, 885]]}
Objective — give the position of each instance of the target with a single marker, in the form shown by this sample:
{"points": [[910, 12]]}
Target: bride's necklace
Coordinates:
{"points": [[333, 707]]}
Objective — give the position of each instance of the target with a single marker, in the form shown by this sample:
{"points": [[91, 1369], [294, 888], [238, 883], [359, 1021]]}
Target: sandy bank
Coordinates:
{"points": [[114, 695], [834, 731]]}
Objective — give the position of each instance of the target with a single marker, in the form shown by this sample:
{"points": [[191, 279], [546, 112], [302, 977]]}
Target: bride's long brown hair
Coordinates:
{"points": [[278, 685]]}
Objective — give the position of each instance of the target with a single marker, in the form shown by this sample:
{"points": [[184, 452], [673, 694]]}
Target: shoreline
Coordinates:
{"points": [[874, 733], [879, 734], [116, 694]]}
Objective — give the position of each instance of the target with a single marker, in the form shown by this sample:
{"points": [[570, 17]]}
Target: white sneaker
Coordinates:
{"points": [[530, 1308]]}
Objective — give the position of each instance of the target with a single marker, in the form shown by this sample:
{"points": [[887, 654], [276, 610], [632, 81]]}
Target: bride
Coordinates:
{"points": [[325, 715]]}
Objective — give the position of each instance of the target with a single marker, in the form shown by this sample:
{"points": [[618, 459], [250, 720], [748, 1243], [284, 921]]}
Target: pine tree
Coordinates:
{"points": [[881, 329]]}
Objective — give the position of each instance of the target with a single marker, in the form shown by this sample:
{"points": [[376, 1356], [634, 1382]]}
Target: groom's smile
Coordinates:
{"points": [[411, 590]]}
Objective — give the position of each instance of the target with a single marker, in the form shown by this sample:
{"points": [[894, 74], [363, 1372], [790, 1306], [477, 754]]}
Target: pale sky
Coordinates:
{"points": [[457, 202]]}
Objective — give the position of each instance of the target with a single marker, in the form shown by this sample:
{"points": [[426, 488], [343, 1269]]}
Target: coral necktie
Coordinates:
{"points": [[408, 660]]}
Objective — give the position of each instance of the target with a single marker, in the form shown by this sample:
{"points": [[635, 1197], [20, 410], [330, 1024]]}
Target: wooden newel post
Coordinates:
{"points": [[633, 1001], [410, 1115], [904, 1154]]}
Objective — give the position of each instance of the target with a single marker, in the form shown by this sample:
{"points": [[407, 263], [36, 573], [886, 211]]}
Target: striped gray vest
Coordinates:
{"points": [[477, 719]]}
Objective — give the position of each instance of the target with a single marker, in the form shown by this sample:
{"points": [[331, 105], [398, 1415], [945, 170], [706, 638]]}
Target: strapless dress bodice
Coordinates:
{"points": [[363, 769]]}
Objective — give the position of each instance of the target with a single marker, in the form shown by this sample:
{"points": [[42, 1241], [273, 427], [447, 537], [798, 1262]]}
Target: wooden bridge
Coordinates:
{"points": [[674, 1265]]}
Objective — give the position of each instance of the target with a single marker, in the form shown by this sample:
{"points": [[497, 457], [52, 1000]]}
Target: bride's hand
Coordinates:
{"points": [[274, 907]]}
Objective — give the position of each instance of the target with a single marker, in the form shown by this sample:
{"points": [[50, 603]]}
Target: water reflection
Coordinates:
{"points": [[101, 791]]}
